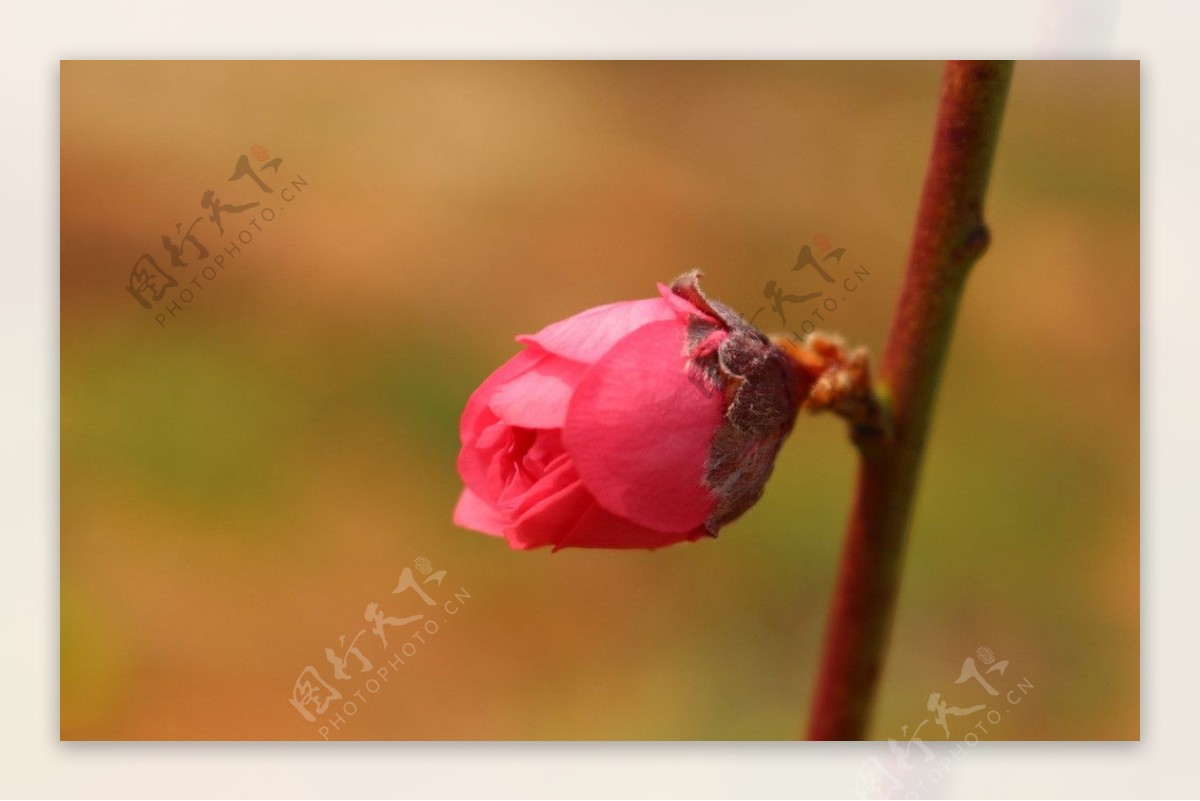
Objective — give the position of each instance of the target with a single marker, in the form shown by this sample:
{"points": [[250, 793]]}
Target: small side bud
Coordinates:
{"points": [[839, 381]]}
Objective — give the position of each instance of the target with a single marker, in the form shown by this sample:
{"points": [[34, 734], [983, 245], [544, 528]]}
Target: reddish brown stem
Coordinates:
{"points": [[950, 236]]}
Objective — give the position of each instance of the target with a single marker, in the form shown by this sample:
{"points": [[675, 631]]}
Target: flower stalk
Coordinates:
{"points": [[831, 378], [950, 236]]}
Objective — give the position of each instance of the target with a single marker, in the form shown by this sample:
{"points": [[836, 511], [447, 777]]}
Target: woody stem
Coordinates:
{"points": [[949, 237]]}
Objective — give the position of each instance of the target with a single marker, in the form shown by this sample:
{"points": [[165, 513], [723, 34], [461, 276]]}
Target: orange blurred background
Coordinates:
{"points": [[239, 483]]}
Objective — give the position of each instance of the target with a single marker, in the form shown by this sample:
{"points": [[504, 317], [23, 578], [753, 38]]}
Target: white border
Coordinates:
{"points": [[35, 36]]}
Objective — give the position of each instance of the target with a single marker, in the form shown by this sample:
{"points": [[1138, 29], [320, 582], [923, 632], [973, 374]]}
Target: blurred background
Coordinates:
{"points": [[241, 478]]}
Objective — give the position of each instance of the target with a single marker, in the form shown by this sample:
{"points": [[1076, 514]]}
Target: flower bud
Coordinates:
{"points": [[633, 425]]}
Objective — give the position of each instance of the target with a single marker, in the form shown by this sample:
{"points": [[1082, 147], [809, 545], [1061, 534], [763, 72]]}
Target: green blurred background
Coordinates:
{"points": [[238, 485]]}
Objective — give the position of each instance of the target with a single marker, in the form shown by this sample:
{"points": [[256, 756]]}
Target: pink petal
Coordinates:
{"points": [[598, 528], [532, 477], [538, 398], [477, 458], [590, 334], [547, 520], [482, 433], [571, 518], [473, 512], [505, 462], [477, 415], [639, 431]]}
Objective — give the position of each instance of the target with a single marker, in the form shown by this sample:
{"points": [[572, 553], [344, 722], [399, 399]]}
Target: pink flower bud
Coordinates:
{"points": [[633, 425]]}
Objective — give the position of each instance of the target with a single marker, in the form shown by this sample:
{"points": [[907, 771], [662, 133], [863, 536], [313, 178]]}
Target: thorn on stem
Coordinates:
{"points": [[976, 243]]}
